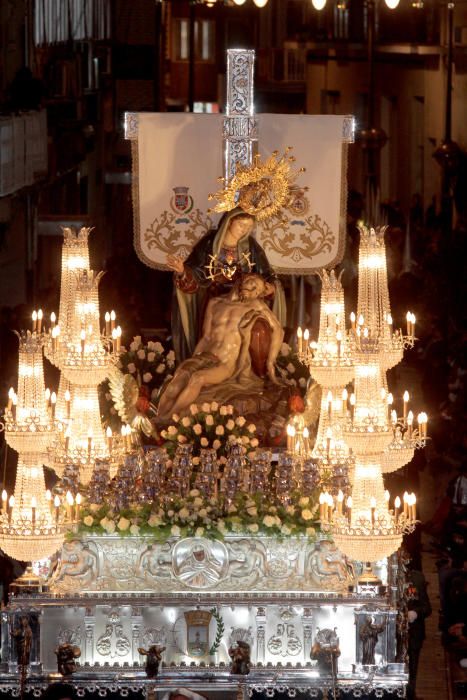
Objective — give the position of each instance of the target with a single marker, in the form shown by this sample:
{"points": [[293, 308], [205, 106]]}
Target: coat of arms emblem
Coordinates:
{"points": [[181, 202]]}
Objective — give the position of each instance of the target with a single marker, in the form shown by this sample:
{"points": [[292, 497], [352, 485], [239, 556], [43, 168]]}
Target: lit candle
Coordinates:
{"points": [[330, 501], [78, 500], [345, 396], [109, 436], [306, 439], [409, 323], [339, 343], [67, 439], [129, 436], [389, 401], [113, 317], [361, 320], [53, 319], [352, 320], [119, 338], [373, 509], [321, 506], [328, 441], [387, 496], [47, 396], [405, 499], [40, 316], [48, 498], [382, 393], [57, 509], [413, 326], [83, 340], [329, 402], [107, 323], [300, 339], [68, 403], [69, 504], [406, 401], [389, 321], [306, 338], [414, 506], [53, 403], [352, 401], [33, 510], [340, 500], [397, 506], [11, 505], [349, 509], [14, 401], [34, 321], [11, 393], [290, 437], [409, 424], [4, 501]]}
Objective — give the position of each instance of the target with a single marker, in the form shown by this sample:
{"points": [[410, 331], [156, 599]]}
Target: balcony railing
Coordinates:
{"points": [[23, 150]]}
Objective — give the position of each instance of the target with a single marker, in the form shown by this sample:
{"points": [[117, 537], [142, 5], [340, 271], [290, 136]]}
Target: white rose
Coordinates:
{"points": [[171, 430], [175, 417], [290, 368], [253, 527], [214, 406], [197, 429], [307, 514], [186, 421], [135, 343], [206, 407], [220, 430], [181, 439], [209, 420], [134, 529], [240, 421], [141, 354], [199, 532], [204, 442], [154, 520], [246, 440], [230, 425], [171, 356], [194, 492], [285, 530], [251, 428], [151, 356], [203, 513], [164, 434], [254, 442], [216, 444], [193, 409], [197, 502], [184, 513], [94, 507], [175, 530], [269, 520], [230, 409], [123, 524], [302, 381], [88, 520], [131, 368], [310, 531], [223, 410], [158, 347], [147, 376], [160, 369], [196, 461]]}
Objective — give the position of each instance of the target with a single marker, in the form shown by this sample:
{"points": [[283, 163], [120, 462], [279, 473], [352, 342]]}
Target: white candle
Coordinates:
{"points": [[406, 401], [113, 317], [300, 339], [34, 321], [107, 323], [40, 316]]}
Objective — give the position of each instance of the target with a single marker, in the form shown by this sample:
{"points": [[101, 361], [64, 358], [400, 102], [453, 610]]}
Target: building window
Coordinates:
{"points": [[203, 40], [64, 20]]}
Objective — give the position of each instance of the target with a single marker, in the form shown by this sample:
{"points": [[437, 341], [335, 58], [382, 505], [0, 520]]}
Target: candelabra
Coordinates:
{"points": [[32, 527], [368, 530], [85, 353], [32, 524], [331, 363]]}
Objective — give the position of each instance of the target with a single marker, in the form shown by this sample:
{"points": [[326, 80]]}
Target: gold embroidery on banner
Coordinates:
{"points": [[165, 236], [316, 239]]}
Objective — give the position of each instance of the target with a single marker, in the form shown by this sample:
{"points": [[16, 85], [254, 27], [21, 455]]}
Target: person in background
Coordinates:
{"points": [[419, 608]]}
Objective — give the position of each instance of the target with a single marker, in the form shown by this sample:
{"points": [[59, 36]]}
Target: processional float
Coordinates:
{"points": [[221, 560]]}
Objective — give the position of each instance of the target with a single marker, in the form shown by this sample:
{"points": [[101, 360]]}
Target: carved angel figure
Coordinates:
{"points": [[66, 655], [153, 659], [126, 396]]}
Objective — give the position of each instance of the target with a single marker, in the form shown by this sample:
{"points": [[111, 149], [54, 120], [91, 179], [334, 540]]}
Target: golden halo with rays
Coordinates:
{"points": [[260, 189]]}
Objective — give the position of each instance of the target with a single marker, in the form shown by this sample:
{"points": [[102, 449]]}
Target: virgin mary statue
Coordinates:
{"points": [[212, 267]]}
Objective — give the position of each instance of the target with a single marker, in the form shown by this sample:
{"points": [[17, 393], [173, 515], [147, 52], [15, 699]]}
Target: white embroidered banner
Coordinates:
{"points": [[178, 158]]}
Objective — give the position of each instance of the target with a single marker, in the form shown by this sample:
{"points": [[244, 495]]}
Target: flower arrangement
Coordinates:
{"points": [[209, 425], [197, 516], [291, 370], [150, 365]]}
